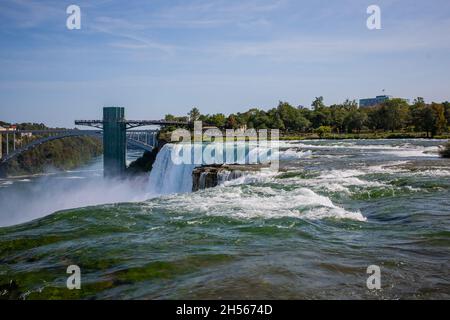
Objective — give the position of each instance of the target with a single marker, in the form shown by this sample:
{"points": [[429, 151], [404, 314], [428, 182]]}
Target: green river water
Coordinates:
{"points": [[307, 232]]}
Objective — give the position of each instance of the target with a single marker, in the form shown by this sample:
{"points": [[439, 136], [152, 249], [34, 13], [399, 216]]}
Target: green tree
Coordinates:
{"points": [[321, 115], [232, 122], [395, 114], [322, 130], [218, 120], [441, 121], [194, 114], [318, 103], [446, 105], [338, 115], [424, 118], [277, 123], [170, 117], [292, 118], [355, 121]]}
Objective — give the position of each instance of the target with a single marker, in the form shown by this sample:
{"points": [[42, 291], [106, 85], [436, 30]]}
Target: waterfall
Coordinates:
{"points": [[225, 176], [167, 177], [202, 182]]}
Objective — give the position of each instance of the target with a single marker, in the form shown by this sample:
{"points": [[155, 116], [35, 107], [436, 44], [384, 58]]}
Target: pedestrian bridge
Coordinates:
{"points": [[116, 132], [140, 139]]}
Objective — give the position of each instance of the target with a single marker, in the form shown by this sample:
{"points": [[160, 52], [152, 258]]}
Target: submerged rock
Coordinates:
{"points": [[445, 151], [10, 291], [209, 176]]}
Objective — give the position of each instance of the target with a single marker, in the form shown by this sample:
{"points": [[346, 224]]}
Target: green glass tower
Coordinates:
{"points": [[114, 142]]}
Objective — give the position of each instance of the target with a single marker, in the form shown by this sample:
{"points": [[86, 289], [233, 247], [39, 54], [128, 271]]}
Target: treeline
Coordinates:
{"points": [[395, 115], [64, 154]]}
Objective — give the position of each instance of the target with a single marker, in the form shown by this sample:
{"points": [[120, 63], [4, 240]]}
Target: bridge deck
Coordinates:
{"points": [[48, 131], [134, 123], [115, 132], [67, 131], [54, 134]]}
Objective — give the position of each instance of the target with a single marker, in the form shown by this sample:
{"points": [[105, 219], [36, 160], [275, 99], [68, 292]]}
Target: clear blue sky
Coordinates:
{"points": [[156, 57]]}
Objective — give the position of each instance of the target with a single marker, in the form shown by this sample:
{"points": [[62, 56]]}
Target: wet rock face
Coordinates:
{"points": [[145, 163], [210, 176], [444, 151], [204, 177]]}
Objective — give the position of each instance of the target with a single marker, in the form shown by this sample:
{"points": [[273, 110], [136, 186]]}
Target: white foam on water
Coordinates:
{"points": [[412, 153], [396, 168], [81, 171], [71, 177], [431, 173], [262, 176], [337, 181], [232, 198], [291, 154], [341, 180], [330, 180], [169, 177], [403, 150], [256, 202]]}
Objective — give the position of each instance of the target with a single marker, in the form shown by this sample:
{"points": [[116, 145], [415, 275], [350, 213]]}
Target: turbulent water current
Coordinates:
{"points": [[307, 231]]}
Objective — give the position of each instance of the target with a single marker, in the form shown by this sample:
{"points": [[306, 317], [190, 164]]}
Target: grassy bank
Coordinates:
{"points": [[365, 135], [166, 136]]}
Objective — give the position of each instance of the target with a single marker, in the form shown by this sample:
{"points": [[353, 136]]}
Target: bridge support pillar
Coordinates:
{"points": [[114, 142]]}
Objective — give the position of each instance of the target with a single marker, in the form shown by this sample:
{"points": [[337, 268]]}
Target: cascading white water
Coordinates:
{"points": [[167, 177], [225, 176]]}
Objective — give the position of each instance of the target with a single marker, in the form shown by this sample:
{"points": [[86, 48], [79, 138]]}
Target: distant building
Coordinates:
{"points": [[370, 102], [10, 128], [26, 134]]}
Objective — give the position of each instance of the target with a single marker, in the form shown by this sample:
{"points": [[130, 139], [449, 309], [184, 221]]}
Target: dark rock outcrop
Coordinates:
{"points": [[445, 151], [209, 176], [10, 291], [145, 163]]}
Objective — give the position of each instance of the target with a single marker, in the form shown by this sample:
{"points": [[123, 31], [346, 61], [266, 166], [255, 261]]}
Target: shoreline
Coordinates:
{"points": [[364, 136], [339, 136]]}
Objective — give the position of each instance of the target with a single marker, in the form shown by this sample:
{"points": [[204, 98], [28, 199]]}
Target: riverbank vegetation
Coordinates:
{"points": [[64, 154], [395, 118]]}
